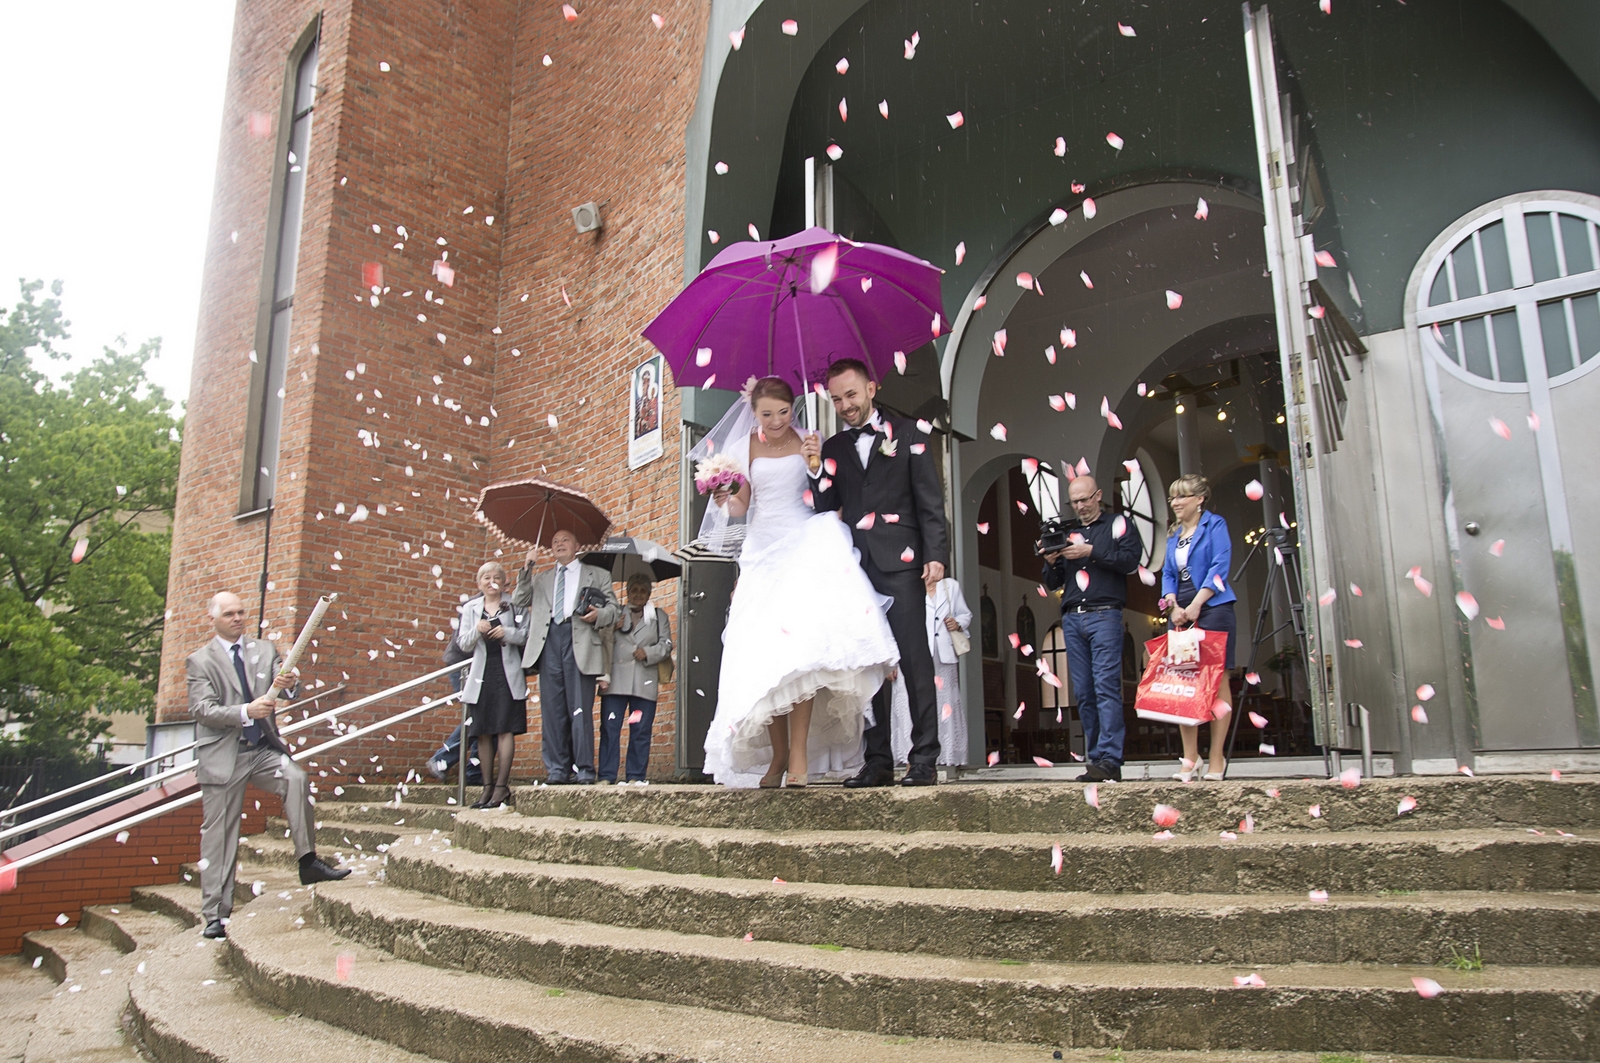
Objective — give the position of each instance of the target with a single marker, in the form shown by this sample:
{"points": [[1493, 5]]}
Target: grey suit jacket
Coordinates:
{"points": [[535, 594], [216, 702]]}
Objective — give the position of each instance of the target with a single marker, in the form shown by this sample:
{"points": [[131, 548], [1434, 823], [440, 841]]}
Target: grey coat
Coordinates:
{"points": [[653, 633], [535, 593], [216, 703], [514, 622]]}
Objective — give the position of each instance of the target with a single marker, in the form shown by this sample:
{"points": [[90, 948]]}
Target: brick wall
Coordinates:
{"points": [[479, 151], [107, 871]]}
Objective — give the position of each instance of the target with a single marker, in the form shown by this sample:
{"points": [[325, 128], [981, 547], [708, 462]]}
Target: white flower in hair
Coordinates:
{"points": [[749, 386]]}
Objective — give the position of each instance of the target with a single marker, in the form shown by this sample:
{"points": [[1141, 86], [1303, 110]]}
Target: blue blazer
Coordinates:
{"points": [[1210, 557]]}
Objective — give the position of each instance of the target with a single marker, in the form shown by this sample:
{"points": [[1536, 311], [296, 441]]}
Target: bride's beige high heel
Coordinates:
{"points": [[772, 781], [1189, 769], [796, 782]]}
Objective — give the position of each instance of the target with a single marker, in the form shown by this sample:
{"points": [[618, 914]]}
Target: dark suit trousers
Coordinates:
{"points": [[908, 619], [566, 703]]}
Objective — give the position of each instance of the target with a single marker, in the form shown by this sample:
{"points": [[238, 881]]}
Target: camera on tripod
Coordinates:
{"points": [[1053, 536]]}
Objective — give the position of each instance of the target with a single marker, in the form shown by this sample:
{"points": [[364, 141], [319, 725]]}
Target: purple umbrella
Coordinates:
{"points": [[790, 307]]}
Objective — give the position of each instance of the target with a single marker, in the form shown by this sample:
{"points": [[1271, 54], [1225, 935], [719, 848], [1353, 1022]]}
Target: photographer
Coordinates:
{"points": [[1089, 562]]}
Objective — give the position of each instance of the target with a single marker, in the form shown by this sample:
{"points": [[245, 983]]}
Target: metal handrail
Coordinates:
{"points": [[128, 769], [9, 869], [73, 811]]}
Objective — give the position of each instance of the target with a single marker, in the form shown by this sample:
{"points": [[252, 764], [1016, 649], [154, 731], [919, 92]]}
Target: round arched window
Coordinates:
{"points": [[1517, 293]]}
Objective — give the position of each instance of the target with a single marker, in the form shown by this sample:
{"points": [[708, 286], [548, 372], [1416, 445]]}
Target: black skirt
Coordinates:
{"points": [[1212, 618], [496, 712]]}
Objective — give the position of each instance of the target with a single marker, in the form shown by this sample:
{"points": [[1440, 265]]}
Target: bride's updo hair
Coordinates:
{"points": [[772, 387]]}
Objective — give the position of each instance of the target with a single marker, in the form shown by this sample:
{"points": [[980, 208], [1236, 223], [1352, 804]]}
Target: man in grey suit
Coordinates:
{"points": [[568, 651], [233, 685]]}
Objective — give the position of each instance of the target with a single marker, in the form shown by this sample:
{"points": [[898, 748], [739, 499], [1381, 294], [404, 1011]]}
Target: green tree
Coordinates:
{"points": [[92, 459]]}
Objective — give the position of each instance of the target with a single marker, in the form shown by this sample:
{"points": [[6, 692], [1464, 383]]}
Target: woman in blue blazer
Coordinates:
{"points": [[1195, 587]]}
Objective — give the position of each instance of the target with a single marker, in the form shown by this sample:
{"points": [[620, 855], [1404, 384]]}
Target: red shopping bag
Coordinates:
{"points": [[1182, 692]]}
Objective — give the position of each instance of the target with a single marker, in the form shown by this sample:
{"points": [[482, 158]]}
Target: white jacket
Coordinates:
{"points": [[947, 600], [515, 623]]}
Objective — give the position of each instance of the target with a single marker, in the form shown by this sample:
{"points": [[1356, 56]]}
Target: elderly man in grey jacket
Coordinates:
{"points": [[640, 642], [567, 646]]}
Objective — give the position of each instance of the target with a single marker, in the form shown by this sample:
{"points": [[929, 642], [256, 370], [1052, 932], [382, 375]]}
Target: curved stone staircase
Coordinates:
{"points": [[692, 923]]}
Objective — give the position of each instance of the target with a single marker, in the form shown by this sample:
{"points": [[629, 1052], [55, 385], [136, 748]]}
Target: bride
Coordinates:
{"points": [[806, 644]]}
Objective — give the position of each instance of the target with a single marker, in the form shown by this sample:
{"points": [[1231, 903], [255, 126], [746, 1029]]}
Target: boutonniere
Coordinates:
{"points": [[888, 447]]}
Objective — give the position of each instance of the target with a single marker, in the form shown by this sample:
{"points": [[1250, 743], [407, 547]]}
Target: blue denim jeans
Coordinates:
{"points": [[1094, 658], [614, 709]]}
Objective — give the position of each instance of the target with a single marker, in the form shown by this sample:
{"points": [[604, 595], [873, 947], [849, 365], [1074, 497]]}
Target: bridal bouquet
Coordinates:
{"points": [[717, 471]]}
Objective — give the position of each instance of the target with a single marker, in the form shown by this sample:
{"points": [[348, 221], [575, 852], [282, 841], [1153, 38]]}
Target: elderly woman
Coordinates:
{"points": [[1195, 587], [947, 612], [639, 643], [495, 690]]}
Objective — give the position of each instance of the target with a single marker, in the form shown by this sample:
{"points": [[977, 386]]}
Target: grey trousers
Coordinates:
{"points": [[566, 703], [221, 804]]}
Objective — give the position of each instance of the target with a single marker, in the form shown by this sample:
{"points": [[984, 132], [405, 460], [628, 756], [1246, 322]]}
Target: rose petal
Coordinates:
{"points": [[1165, 815], [883, 108], [1082, 579], [1468, 605], [994, 758], [867, 521], [1426, 988], [1254, 491], [908, 555], [1114, 140], [1320, 896], [1044, 763], [1499, 428], [956, 120], [1091, 795], [1174, 300], [1061, 147], [961, 252], [1419, 714], [998, 432], [790, 27], [1328, 597], [1350, 778], [1057, 216], [1055, 850], [1406, 805], [1258, 719], [1202, 210]]}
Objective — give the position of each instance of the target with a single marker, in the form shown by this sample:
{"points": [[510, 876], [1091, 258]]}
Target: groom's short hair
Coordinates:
{"points": [[848, 365]]}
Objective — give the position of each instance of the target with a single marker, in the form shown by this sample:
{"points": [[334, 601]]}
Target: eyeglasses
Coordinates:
{"points": [[1092, 500]]}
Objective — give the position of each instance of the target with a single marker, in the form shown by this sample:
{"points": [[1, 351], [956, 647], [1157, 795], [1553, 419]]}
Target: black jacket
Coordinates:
{"points": [[899, 487], [1113, 560]]}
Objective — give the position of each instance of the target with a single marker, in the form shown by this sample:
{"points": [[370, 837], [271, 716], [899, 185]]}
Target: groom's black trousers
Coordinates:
{"points": [[908, 619]]}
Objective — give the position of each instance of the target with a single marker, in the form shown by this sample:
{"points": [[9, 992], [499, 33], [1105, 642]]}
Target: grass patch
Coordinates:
{"points": [[1381, 893], [1337, 1057], [1115, 1055], [899, 1041], [1012, 963], [1462, 960], [555, 992], [829, 948]]}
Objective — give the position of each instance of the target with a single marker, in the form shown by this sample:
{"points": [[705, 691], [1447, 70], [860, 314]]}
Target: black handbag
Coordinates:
{"points": [[589, 598]]}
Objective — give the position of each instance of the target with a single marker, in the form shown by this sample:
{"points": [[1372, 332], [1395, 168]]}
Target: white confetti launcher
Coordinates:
{"points": [[313, 622]]}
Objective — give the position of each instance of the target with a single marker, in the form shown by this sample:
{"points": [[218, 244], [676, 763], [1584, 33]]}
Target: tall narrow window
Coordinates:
{"points": [[266, 421]]}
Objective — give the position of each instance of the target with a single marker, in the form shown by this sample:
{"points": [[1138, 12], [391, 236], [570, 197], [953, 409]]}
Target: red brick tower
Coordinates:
{"points": [[439, 132]]}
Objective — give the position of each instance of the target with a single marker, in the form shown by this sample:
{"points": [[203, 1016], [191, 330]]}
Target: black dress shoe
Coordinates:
{"points": [[1095, 772], [314, 870], [920, 775], [1113, 772], [871, 775], [214, 929]]}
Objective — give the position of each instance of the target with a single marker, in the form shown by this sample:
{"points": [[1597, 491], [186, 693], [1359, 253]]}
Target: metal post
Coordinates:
{"points": [[461, 763], [1366, 741]]}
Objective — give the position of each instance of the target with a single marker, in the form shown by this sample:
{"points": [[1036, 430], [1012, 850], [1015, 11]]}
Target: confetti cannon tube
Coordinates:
{"points": [[313, 622]]}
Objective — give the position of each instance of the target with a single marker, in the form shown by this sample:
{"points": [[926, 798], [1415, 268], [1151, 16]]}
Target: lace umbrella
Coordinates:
{"points": [[531, 511]]}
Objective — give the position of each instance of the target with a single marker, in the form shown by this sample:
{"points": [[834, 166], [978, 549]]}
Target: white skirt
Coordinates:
{"points": [[805, 623]]}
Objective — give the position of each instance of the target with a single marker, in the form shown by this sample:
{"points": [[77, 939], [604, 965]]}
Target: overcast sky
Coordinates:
{"points": [[113, 112]]}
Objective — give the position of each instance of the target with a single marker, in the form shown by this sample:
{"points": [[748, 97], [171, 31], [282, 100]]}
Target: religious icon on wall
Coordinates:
{"points": [[644, 413]]}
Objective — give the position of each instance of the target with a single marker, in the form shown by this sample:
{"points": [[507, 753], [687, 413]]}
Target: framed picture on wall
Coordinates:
{"points": [[644, 413]]}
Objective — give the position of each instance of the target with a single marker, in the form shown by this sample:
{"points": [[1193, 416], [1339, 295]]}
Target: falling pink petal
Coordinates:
{"points": [[1061, 147], [1250, 981], [755, 234], [1555, 774], [1247, 825], [1089, 209], [945, 711], [1320, 896], [1267, 749], [1316, 811], [790, 27], [776, 881], [721, 168], [1024, 279], [1258, 719], [1091, 795], [1419, 714], [998, 432], [961, 252], [714, 236], [1144, 389], [1044, 763], [1316, 311], [835, 152], [1406, 805], [1464, 770], [1021, 708], [1147, 577], [1498, 548], [79, 549], [1114, 140], [1216, 581], [1082, 579], [1042, 592], [1055, 850], [1424, 585], [702, 357], [1499, 428], [1228, 836], [1495, 622], [824, 267], [908, 555], [998, 344], [569, 13], [660, 23], [1082, 468], [1015, 640], [1326, 6], [1084, 276], [1165, 815], [737, 38], [1350, 778], [1126, 31], [911, 46], [866, 285], [1069, 337], [1533, 422], [1055, 681], [1174, 300], [883, 108], [1354, 644], [1119, 526], [867, 521], [1253, 678], [844, 110], [900, 362], [710, 382], [994, 758], [1113, 420], [830, 466], [749, 938], [1030, 466], [983, 528], [345, 962], [1254, 491], [1329, 596], [1468, 605], [956, 120], [842, 66], [1272, 792], [1058, 404], [1355, 590], [1426, 988], [1202, 210], [1325, 259]]}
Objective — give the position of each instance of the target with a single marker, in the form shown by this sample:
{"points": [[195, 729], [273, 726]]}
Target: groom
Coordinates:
{"points": [[881, 479]]}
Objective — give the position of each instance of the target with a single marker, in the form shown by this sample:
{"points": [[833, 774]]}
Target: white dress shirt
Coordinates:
{"points": [[865, 442], [574, 574]]}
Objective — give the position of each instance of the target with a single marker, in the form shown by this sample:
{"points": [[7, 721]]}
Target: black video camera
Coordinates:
{"points": [[1053, 536]]}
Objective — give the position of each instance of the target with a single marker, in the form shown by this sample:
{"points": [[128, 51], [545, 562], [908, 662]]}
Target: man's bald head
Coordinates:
{"points": [[227, 615], [1084, 494]]}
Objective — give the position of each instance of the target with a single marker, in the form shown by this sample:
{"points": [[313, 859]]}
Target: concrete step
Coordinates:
{"points": [[1344, 862], [409, 816], [1531, 929], [186, 1005], [466, 1017], [1500, 1012], [1451, 803], [25, 993], [83, 1021]]}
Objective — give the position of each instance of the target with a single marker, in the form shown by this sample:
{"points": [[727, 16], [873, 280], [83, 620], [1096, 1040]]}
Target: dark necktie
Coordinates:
{"points": [[251, 735]]}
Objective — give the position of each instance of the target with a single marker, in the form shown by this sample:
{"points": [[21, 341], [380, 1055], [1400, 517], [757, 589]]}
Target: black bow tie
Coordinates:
{"points": [[866, 429]]}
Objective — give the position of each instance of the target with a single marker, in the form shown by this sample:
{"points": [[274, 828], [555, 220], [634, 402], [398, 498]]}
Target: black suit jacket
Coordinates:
{"points": [[899, 486]]}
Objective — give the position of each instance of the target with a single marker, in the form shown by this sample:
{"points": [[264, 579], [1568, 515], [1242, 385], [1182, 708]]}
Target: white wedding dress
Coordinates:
{"points": [[805, 621]]}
